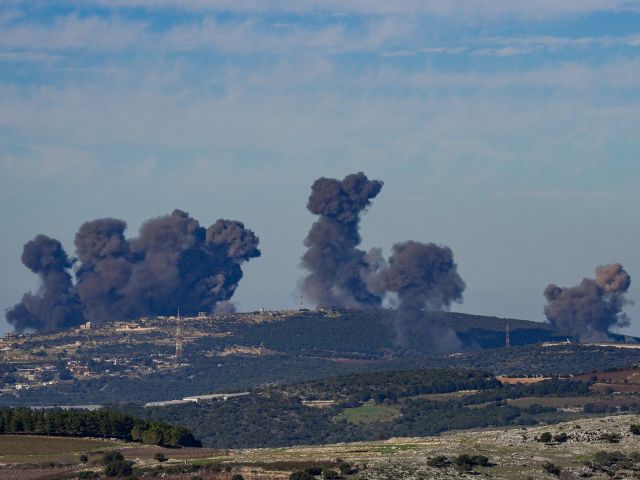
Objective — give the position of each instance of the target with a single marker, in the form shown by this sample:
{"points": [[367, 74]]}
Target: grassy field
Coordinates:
{"points": [[514, 453], [369, 413], [37, 449]]}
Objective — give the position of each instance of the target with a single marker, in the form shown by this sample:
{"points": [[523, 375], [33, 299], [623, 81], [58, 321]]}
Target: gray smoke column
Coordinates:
{"points": [[338, 268], [55, 304], [174, 262], [589, 310], [425, 278]]}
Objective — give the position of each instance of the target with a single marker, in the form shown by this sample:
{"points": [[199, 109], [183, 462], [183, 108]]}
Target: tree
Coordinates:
{"points": [[116, 466]]}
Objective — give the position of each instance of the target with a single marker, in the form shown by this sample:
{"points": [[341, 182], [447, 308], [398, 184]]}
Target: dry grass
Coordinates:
{"points": [[514, 380], [40, 449]]}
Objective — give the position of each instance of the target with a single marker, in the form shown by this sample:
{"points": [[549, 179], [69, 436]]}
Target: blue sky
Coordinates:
{"points": [[505, 129]]}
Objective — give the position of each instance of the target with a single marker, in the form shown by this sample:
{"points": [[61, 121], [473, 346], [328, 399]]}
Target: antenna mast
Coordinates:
{"points": [[507, 336], [178, 336]]}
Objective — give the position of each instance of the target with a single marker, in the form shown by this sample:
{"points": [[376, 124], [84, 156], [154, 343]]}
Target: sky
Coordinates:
{"points": [[505, 129]]}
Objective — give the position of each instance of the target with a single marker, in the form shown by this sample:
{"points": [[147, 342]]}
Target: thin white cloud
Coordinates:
{"points": [[388, 36], [455, 9], [27, 56], [74, 32], [239, 37]]}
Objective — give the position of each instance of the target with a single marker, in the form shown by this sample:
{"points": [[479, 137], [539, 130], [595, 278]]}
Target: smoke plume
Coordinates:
{"points": [[588, 311], [338, 268], [55, 304], [174, 262], [424, 277], [420, 276]]}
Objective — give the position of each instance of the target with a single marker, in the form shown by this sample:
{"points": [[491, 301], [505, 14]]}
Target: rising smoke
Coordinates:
{"points": [[55, 304], [589, 310], [420, 276], [338, 268], [424, 277], [174, 262]]}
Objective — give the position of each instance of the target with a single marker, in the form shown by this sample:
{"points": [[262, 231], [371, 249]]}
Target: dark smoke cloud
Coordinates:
{"points": [[55, 304], [421, 276], [174, 262], [588, 311], [424, 277], [338, 268]]}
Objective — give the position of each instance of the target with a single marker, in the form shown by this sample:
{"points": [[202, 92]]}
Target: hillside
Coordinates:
{"points": [[136, 361]]}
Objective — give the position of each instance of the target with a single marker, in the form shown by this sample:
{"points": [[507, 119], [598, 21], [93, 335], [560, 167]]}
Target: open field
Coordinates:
{"points": [[369, 413], [616, 387], [514, 454], [516, 380], [37, 449]]}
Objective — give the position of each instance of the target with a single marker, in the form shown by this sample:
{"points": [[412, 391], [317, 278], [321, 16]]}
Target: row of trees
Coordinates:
{"points": [[98, 423], [395, 384]]}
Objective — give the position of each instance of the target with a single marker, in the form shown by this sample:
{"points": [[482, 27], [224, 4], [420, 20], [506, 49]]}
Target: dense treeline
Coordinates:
{"points": [[547, 388], [392, 385], [371, 332], [277, 416], [98, 423], [423, 417], [274, 420]]}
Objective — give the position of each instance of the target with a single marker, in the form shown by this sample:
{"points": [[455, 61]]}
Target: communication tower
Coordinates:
{"points": [[178, 336], [507, 336]]}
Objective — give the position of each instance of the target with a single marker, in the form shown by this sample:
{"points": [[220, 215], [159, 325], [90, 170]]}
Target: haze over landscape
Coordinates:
{"points": [[505, 131]]}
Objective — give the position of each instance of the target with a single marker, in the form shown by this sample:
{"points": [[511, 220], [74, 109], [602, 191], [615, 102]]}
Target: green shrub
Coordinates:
{"points": [[605, 461], [160, 457], [329, 474], [610, 437], [116, 466], [87, 474], [439, 462], [634, 428], [551, 468], [301, 475], [560, 437], [237, 476], [466, 462], [545, 437], [480, 460]]}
